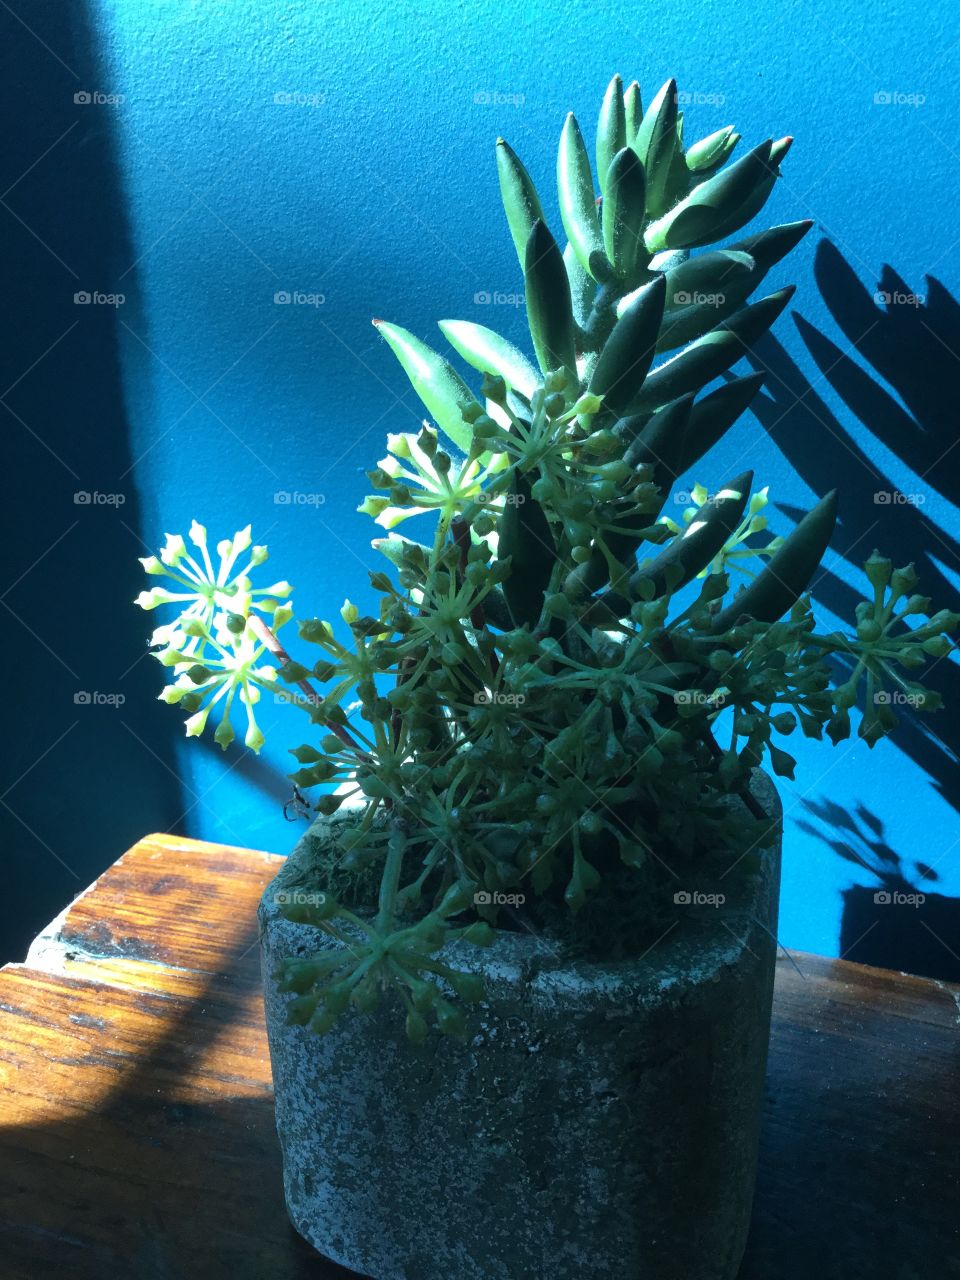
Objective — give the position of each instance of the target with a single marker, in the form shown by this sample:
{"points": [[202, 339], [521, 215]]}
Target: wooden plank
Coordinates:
{"points": [[170, 901], [136, 1119], [137, 1136]]}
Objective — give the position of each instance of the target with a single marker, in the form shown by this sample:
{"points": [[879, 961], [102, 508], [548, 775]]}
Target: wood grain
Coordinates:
{"points": [[136, 1118]]}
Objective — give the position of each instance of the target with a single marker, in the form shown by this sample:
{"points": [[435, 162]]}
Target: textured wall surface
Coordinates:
{"points": [[372, 183]]}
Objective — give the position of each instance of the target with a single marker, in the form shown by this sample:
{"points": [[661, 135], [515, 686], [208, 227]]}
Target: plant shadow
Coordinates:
{"points": [[899, 388], [900, 923]]}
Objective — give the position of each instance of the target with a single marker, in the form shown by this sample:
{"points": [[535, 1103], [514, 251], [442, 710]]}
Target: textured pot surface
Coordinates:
{"points": [[601, 1122]]}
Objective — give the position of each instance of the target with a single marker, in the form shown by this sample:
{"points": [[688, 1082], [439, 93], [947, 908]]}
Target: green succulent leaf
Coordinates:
{"points": [[611, 130], [444, 393], [713, 415], [575, 190], [520, 200], [633, 113], [628, 352], [710, 355], [656, 145], [713, 209], [583, 287], [768, 247], [527, 540], [711, 152], [781, 582], [659, 443], [623, 213], [491, 353], [549, 304], [754, 203]]}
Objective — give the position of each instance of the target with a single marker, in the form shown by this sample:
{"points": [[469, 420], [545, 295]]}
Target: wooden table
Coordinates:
{"points": [[137, 1137]]}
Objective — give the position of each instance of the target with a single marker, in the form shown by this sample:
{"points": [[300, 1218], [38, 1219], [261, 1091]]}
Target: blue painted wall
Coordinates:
{"points": [[371, 182]]}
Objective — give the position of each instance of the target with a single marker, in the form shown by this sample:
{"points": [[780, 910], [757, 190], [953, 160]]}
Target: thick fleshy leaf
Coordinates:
{"points": [[703, 291], [576, 194], [713, 208], [786, 576], [549, 305], [583, 287], [755, 202], [703, 538], [526, 538], [624, 205], [713, 416], [710, 355], [711, 152], [704, 273], [660, 442], [656, 145], [709, 287], [611, 130], [491, 353], [443, 392], [632, 111], [768, 247], [628, 352], [520, 200]]}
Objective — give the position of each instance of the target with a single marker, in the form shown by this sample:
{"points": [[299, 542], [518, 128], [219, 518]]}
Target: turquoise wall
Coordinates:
{"points": [[371, 182]]}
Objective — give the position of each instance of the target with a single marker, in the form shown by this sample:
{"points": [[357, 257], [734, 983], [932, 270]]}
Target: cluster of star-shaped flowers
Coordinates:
{"points": [[217, 644], [422, 477]]}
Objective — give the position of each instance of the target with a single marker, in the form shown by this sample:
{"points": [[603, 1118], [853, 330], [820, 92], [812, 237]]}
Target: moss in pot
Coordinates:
{"points": [[518, 974]]}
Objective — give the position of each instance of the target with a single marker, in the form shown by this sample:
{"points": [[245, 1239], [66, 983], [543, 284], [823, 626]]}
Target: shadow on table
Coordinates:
{"points": [[154, 1182]]}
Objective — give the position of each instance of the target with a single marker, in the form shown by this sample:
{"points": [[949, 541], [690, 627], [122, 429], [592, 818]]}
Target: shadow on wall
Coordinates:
{"points": [[913, 349], [898, 923], [912, 344], [80, 785]]}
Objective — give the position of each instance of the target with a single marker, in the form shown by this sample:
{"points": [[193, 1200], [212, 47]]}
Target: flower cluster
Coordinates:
{"points": [[214, 645]]}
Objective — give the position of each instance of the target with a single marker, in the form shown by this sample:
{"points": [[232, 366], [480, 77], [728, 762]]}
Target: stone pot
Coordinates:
{"points": [[601, 1123]]}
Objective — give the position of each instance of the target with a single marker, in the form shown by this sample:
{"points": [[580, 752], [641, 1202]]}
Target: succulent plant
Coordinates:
{"points": [[530, 712]]}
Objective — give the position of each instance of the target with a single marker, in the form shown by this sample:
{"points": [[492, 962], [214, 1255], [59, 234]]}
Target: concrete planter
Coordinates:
{"points": [[603, 1121]]}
